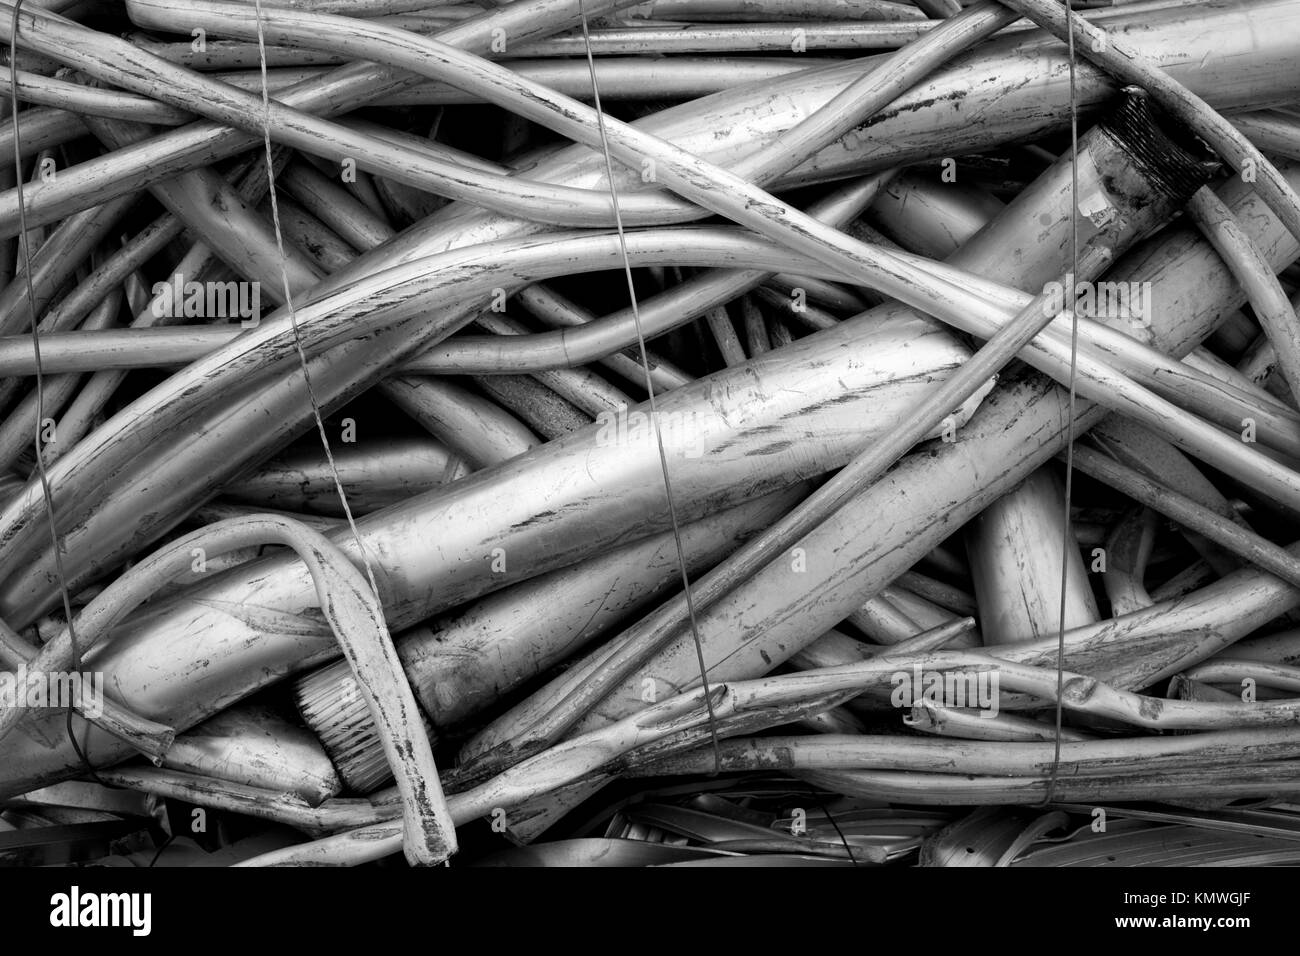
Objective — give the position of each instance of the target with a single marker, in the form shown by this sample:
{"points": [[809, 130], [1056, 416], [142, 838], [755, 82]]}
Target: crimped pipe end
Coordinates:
{"points": [[332, 706], [1171, 156]]}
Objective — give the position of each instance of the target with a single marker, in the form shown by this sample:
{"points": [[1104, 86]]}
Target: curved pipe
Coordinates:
{"points": [[341, 90], [354, 615]]}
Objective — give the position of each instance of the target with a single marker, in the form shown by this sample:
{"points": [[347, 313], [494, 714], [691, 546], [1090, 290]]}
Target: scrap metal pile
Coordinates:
{"points": [[688, 432]]}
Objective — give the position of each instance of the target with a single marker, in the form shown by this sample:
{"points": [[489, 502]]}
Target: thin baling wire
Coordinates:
{"points": [[1069, 416], [429, 834], [24, 240], [288, 304], [649, 386]]}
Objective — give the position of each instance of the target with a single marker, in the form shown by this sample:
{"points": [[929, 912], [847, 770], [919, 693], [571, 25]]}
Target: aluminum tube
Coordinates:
{"points": [[461, 663], [479, 430], [375, 472], [253, 745]]}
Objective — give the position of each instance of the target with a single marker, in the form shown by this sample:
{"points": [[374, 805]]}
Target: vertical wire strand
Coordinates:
{"points": [[24, 242], [293, 317], [844, 841], [650, 391], [1069, 444]]}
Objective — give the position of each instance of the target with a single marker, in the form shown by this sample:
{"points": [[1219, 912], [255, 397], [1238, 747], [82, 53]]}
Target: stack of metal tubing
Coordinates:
{"points": [[678, 432]]}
